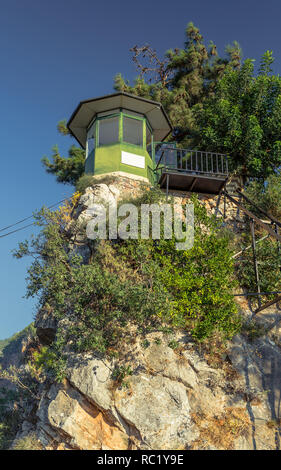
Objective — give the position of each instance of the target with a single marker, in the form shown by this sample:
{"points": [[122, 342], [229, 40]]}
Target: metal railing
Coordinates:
{"points": [[169, 158]]}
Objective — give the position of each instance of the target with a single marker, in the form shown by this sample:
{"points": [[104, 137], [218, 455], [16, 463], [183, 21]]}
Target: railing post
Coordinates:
{"points": [[278, 243], [252, 225], [167, 186], [217, 210], [224, 201]]}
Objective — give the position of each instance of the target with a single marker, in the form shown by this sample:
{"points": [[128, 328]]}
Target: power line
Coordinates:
{"points": [[19, 222], [17, 230], [26, 218]]}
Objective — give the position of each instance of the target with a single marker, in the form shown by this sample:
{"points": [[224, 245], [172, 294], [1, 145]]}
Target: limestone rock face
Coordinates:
{"points": [[159, 409], [99, 194], [91, 376], [171, 399], [83, 425], [259, 363], [148, 410]]}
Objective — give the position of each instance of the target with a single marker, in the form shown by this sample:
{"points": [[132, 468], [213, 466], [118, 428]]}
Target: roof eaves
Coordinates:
{"points": [[110, 96]]}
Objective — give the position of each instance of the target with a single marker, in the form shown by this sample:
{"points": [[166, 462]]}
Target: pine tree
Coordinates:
{"points": [[182, 80], [66, 169]]}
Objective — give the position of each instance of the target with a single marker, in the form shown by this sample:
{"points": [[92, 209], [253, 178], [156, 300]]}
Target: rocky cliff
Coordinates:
{"points": [[160, 397], [13, 350], [164, 391]]}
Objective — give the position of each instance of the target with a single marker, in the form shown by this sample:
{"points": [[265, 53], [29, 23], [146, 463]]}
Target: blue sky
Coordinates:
{"points": [[56, 53]]}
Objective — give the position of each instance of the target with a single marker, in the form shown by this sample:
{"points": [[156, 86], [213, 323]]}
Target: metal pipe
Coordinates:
{"points": [[252, 226], [249, 246], [248, 294], [270, 217]]}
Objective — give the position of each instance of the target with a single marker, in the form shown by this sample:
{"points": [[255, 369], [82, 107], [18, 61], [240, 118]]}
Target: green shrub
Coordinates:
{"points": [[43, 361], [121, 372], [147, 283], [173, 344], [253, 330], [86, 181], [29, 442]]}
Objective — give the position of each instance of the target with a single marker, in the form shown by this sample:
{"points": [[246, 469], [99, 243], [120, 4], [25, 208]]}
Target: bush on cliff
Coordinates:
{"points": [[143, 282]]}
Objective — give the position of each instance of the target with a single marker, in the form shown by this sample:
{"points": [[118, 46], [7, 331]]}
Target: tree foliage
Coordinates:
{"points": [[267, 194], [182, 80], [66, 169], [243, 119]]}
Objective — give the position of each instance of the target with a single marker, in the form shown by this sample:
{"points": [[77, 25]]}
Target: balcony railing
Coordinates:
{"points": [[168, 158]]}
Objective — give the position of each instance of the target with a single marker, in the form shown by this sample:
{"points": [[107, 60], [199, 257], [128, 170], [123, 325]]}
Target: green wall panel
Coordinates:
{"points": [[107, 159]]}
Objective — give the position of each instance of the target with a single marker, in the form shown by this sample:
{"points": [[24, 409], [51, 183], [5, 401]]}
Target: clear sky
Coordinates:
{"points": [[56, 53]]}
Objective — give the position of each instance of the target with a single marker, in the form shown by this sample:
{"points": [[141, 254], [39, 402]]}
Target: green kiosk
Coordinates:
{"points": [[118, 132]]}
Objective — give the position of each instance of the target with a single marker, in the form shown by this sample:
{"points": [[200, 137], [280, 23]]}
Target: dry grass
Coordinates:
{"points": [[274, 423], [214, 350], [221, 431]]}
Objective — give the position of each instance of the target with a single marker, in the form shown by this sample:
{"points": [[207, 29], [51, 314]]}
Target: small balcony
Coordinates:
{"points": [[189, 170]]}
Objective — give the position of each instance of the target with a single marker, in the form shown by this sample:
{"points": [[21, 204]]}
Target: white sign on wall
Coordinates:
{"points": [[133, 159]]}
